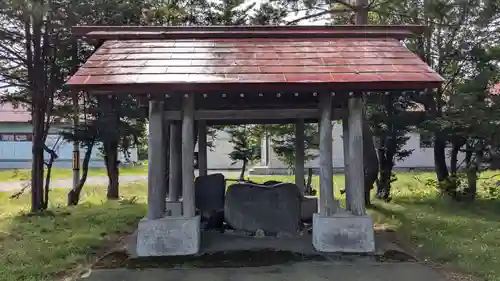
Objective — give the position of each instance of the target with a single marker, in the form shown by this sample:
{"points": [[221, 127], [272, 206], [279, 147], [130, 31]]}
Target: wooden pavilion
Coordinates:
{"points": [[257, 74]]}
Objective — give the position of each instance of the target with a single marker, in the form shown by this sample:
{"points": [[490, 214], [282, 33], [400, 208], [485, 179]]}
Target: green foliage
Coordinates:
{"points": [[461, 44], [246, 140], [229, 12], [491, 188], [391, 120], [283, 142], [272, 12]]}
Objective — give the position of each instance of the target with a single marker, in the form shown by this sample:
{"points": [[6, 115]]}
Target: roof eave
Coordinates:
{"points": [[308, 87], [219, 32]]}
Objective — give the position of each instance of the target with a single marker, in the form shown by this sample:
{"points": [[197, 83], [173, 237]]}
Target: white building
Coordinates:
{"points": [[422, 157], [15, 142], [16, 135]]}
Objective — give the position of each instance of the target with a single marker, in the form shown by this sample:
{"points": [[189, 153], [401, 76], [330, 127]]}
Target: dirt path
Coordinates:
{"points": [[66, 183], [100, 180]]}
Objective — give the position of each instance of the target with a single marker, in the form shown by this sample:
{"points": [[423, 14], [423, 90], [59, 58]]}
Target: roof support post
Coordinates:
{"points": [[166, 152], [188, 207], [327, 205], [299, 154], [157, 189], [202, 148], [175, 179], [345, 142], [355, 156]]}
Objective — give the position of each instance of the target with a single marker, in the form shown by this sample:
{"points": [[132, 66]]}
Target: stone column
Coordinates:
{"points": [[157, 189], [355, 229], [345, 142], [299, 154], [355, 155], [166, 152], [188, 204], [326, 205], [175, 161], [202, 148]]}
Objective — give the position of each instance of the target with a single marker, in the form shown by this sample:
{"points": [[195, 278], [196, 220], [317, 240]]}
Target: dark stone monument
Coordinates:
{"points": [[272, 208], [271, 182], [209, 199]]}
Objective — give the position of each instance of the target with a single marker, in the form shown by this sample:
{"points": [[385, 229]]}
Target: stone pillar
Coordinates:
{"points": [[175, 161], [171, 235], [174, 207], [345, 143], [202, 148], [350, 232], [157, 189], [166, 152], [327, 205], [299, 154], [355, 156], [188, 204]]}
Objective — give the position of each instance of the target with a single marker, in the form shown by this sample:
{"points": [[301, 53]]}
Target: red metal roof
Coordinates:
{"points": [[214, 64]]}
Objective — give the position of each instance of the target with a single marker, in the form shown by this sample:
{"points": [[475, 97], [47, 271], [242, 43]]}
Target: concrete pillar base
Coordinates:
{"points": [[173, 209], [343, 232], [168, 236]]}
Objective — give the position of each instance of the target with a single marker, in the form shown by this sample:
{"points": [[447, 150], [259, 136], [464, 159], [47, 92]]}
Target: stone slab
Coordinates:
{"points": [[309, 206], [173, 209], [168, 236], [272, 208], [209, 192], [343, 232]]}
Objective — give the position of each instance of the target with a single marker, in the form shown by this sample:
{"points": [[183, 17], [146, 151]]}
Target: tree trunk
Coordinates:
{"points": [[53, 157], [74, 194], [384, 181], [381, 155], [47, 184], [471, 191], [472, 167], [370, 160], [37, 165], [454, 160], [111, 161], [109, 118], [457, 144], [440, 158], [243, 168]]}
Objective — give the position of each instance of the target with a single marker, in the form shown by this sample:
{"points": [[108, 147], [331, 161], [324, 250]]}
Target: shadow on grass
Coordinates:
{"points": [[462, 234], [47, 245], [480, 208]]}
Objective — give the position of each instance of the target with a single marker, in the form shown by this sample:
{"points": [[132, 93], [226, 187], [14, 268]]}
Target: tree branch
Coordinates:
{"points": [[343, 2], [9, 50], [332, 11]]}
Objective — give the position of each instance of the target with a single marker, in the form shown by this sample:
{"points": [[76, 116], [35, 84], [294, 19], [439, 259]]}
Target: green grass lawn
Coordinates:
{"points": [[66, 173], [463, 235], [42, 248]]}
